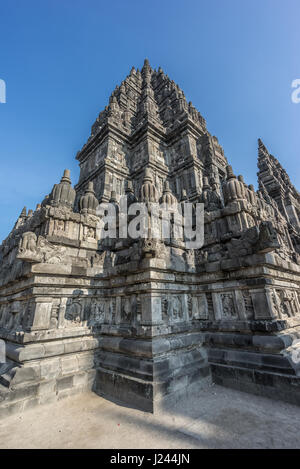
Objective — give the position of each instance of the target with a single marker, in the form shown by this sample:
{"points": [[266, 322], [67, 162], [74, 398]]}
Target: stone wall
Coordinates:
{"points": [[143, 321]]}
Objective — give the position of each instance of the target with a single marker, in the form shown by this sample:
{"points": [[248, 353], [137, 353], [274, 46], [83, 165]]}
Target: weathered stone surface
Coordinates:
{"points": [[139, 320]]}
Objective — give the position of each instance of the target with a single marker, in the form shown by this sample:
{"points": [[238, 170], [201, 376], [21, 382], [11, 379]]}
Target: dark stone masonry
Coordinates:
{"points": [[143, 321]]}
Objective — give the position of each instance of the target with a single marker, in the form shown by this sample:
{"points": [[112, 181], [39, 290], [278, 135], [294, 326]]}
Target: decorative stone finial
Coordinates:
{"points": [[66, 177], [23, 214], [146, 71], [21, 218], [88, 202], [148, 175], [63, 193], [46, 200], [167, 186], [230, 173], [167, 197], [130, 193], [148, 189], [205, 183], [251, 194], [233, 189], [183, 194]]}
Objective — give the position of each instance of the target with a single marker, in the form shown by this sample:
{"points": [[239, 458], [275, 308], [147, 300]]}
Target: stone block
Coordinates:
{"points": [[25, 374], [69, 364], [50, 368], [85, 361], [54, 348], [47, 387], [80, 379], [64, 383]]}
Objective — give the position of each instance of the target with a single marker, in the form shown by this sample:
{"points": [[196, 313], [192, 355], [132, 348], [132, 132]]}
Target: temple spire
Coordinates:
{"points": [[146, 64], [262, 149]]}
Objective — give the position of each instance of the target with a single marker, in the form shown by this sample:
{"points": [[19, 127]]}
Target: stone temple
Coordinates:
{"points": [[144, 322]]}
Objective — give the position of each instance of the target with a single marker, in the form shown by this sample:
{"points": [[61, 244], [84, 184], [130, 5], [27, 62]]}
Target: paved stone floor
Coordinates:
{"points": [[219, 418]]}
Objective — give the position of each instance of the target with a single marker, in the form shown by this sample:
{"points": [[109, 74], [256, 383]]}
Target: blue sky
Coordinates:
{"points": [[60, 59]]}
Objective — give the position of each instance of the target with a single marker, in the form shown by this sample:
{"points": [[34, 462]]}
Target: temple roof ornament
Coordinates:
{"points": [[167, 197], [88, 202], [148, 189], [63, 193], [209, 196], [233, 188], [130, 194], [23, 214]]}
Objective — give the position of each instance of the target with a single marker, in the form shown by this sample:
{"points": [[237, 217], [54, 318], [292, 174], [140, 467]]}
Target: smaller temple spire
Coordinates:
{"points": [[205, 183], [261, 143], [183, 195], [167, 198], [230, 173], [63, 193], [146, 72], [262, 149], [21, 218], [23, 214], [88, 202], [148, 189], [234, 188], [129, 192], [146, 64], [66, 177]]}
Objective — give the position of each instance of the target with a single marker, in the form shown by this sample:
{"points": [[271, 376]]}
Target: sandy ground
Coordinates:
{"points": [[219, 418]]}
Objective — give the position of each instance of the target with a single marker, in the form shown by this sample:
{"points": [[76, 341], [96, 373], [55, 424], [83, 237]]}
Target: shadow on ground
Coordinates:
{"points": [[219, 418]]}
